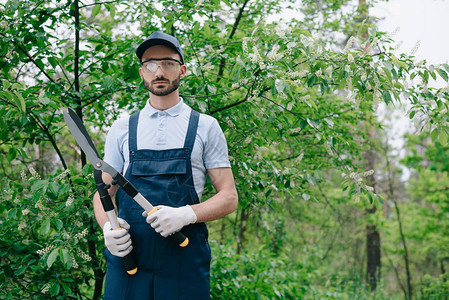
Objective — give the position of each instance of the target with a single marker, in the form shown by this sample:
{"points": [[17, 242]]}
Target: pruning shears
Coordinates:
{"points": [[80, 134]]}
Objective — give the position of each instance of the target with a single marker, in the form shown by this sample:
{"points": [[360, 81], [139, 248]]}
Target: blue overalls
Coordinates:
{"points": [[165, 270]]}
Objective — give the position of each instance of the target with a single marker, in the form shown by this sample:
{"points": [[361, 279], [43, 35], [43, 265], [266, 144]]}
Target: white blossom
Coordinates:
{"points": [[45, 250], [416, 47], [348, 68], [45, 289], [350, 58], [349, 44], [34, 174], [84, 256], [368, 173], [81, 234], [69, 201]]}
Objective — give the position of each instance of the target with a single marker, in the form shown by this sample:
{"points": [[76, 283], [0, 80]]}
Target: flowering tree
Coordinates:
{"points": [[289, 98]]}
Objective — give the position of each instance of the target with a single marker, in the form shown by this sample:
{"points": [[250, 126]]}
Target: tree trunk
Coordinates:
{"points": [[99, 274], [372, 255], [372, 232], [244, 215], [409, 293]]}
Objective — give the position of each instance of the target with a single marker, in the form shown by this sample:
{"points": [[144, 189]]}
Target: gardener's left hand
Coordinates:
{"points": [[167, 220]]}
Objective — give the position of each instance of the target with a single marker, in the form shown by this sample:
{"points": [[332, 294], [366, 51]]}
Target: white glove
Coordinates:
{"points": [[167, 220], [117, 241]]}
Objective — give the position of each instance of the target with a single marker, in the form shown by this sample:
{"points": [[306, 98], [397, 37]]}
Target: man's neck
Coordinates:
{"points": [[164, 102]]}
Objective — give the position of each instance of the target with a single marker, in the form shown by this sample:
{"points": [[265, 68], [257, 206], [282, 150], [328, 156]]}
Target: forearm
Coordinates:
{"points": [[216, 207], [100, 214]]}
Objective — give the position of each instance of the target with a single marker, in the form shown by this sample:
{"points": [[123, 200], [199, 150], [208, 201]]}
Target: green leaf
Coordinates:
{"points": [[443, 74], [443, 137], [434, 76], [388, 65], [54, 290], [66, 288], [370, 198], [12, 214], [17, 86], [52, 257], [66, 258], [96, 10], [87, 169], [311, 179], [58, 224], [388, 75], [434, 134], [279, 85], [379, 199], [207, 31], [45, 227], [19, 101], [211, 89], [38, 185], [44, 100], [400, 63], [53, 187], [112, 9], [312, 123], [311, 81], [446, 66], [12, 154], [52, 61], [108, 82], [387, 97], [6, 84], [20, 271]]}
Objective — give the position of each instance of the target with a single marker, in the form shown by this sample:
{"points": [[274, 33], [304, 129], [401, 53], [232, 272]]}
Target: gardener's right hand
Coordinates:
{"points": [[117, 241]]}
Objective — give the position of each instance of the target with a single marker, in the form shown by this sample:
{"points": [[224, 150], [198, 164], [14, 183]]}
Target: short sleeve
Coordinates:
{"points": [[113, 148], [215, 153]]}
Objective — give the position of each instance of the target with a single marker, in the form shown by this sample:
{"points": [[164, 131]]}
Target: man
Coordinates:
{"points": [[165, 150]]}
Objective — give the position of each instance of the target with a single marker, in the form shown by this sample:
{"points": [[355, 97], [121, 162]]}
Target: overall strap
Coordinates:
{"points": [[132, 132], [191, 131]]}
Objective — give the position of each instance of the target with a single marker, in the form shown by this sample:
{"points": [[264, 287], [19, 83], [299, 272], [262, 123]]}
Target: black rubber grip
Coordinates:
{"points": [[180, 239], [126, 185], [103, 191], [130, 264]]}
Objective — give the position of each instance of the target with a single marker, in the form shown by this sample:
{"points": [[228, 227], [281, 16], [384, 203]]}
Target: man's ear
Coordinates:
{"points": [[183, 71], [140, 72]]}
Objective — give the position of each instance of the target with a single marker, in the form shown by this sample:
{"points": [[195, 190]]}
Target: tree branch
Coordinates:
{"points": [[23, 50], [234, 29]]}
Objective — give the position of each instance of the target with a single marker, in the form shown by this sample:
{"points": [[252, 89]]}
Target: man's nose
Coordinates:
{"points": [[159, 70]]}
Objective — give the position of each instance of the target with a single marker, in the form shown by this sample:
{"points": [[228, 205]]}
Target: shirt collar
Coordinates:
{"points": [[172, 111]]}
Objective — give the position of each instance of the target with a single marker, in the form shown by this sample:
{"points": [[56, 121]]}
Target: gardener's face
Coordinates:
{"points": [[161, 70]]}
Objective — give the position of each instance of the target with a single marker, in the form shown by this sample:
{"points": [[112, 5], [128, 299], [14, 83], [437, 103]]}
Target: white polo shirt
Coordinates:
{"points": [[167, 129]]}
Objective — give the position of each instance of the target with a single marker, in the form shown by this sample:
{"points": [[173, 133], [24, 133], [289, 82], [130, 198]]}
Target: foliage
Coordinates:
{"points": [[45, 231], [256, 274]]}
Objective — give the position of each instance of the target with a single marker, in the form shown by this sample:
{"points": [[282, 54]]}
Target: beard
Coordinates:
{"points": [[162, 91]]}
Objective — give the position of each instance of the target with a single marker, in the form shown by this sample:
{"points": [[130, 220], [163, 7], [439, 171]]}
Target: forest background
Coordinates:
{"points": [[324, 211]]}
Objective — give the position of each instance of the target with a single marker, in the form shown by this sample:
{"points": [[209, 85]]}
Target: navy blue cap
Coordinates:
{"points": [[159, 38]]}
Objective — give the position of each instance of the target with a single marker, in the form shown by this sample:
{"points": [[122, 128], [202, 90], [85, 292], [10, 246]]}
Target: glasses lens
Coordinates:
{"points": [[166, 65]]}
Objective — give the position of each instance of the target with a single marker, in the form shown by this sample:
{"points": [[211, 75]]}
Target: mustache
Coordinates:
{"points": [[160, 79]]}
